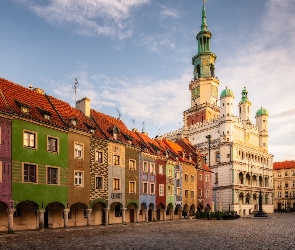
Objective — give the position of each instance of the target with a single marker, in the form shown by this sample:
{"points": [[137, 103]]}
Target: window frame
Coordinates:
{"points": [[217, 156], [132, 162], [132, 183], [98, 156], [97, 177], [116, 160], [49, 137], [35, 170], [170, 191], [161, 189], [115, 182], [76, 150], [178, 191], [186, 177], [161, 169], [186, 193], [145, 166], [192, 194], [48, 181], [170, 173], [152, 188], [192, 178], [145, 184], [29, 133], [152, 168], [77, 178]]}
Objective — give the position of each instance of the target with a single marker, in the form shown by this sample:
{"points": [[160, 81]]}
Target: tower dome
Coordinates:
{"points": [[261, 112], [227, 92]]}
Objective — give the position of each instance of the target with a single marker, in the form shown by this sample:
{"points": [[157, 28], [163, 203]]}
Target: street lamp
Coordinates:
{"points": [[209, 143]]}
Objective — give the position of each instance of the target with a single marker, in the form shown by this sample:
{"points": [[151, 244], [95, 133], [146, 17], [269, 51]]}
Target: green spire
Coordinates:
{"points": [[204, 24], [245, 96]]}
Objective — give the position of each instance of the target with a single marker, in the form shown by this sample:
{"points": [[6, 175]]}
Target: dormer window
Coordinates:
{"points": [[47, 116], [25, 109], [190, 157], [74, 122], [115, 135], [92, 130]]}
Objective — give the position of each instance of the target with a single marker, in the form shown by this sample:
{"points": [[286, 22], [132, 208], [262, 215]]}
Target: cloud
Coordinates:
{"points": [[165, 13], [92, 17], [157, 102]]}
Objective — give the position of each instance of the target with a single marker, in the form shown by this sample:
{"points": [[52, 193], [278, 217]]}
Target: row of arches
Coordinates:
{"points": [[253, 157], [27, 215], [253, 180]]}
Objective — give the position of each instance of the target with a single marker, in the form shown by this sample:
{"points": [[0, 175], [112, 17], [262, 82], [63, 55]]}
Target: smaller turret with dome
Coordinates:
{"points": [[262, 124], [244, 106]]}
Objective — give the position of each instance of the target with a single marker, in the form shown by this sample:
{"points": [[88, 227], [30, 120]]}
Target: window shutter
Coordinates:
{"points": [[32, 140], [26, 139]]}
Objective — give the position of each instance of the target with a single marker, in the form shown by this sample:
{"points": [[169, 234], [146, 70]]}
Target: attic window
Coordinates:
{"points": [[92, 130], [74, 122], [47, 116], [25, 109]]}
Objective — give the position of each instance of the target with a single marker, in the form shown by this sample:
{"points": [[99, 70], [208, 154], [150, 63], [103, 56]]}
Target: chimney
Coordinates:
{"points": [[38, 90], [84, 106], [179, 136]]}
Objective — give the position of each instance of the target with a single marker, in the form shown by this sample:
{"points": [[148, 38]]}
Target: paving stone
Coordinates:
{"points": [[246, 233]]}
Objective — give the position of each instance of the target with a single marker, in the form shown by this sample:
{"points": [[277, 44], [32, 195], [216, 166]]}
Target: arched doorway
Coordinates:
{"points": [[150, 212], [130, 212], [3, 217], [115, 215], [78, 215], [54, 216], [98, 213], [160, 211], [25, 211]]}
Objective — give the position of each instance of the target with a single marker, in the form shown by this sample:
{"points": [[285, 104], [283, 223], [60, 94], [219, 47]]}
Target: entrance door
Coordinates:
{"points": [[46, 218], [158, 214], [150, 215], [103, 216], [279, 206], [131, 215]]}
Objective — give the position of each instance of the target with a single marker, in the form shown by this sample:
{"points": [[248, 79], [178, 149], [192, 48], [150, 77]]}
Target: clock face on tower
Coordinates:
{"points": [[196, 93], [214, 91]]}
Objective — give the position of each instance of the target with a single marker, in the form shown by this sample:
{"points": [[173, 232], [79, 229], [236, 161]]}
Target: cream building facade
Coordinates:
{"points": [[235, 148], [284, 185]]}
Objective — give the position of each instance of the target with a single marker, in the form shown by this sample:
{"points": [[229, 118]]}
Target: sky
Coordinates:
{"points": [[133, 57]]}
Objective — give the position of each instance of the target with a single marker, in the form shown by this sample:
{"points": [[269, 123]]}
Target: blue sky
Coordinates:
{"points": [[135, 56]]}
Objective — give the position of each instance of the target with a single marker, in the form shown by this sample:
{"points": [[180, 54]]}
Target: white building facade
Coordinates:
{"points": [[235, 149]]}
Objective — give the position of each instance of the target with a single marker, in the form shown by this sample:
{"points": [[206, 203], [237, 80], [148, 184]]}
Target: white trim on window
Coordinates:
{"points": [[29, 139], [132, 187], [99, 182], [78, 150], [52, 144], [161, 189], [78, 178], [117, 184], [132, 164]]}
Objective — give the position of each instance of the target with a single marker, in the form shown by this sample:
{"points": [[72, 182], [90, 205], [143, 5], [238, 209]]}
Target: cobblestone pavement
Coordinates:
{"points": [[275, 232]]}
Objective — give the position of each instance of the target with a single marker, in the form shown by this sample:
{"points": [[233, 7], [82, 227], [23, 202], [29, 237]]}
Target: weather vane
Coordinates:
{"points": [[76, 84], [204, 1]]}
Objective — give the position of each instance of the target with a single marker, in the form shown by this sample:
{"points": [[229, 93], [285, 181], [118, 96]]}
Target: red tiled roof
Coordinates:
{"points": [[283, 165], [206, 168], [67, 113], [107, 123], [16, 96]]}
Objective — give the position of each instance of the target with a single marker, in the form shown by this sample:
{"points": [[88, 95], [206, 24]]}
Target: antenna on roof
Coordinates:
{"points": [[159, 131], [76, 84], [30, 86], [133, 121], [142, 127], [119, 114]]}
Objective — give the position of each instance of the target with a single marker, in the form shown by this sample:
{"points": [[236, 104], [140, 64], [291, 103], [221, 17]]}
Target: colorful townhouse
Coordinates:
{"points": [[5, 167], [39, 163], [203, 177], [187, 179], [147, 181], [99, 184], [160, 187], [80, 130]]}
